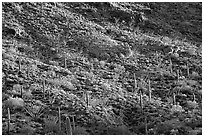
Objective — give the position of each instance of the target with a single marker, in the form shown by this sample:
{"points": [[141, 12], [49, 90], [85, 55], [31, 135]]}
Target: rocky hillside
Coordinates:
{"points": [[101, 68]]}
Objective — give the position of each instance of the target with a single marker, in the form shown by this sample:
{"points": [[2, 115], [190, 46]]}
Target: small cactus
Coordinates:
{"points": [[68, 126]]}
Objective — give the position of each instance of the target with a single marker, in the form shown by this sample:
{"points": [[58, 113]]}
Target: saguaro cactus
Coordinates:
{"points": [[44, 88], [188, 72], [194, 98], [28, 75], [135, 80], [19, 64], [59, 117], [171, 65], [65, 62], [150, 90], [174, 99], [145, 121], [21, 91], [87, 99], [68, 126], [141, 99], [73, 122], [9, 119], [178, 74]]}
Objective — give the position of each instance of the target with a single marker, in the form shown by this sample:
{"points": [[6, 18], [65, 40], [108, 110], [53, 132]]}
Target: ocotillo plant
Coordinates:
{"points": [[9, 119], [59, 118], [150, 90], [68, 126]]}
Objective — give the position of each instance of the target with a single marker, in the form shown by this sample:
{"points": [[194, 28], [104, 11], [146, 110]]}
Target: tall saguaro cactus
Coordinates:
{"points": [[171, 65], [44, 88], [59, 117], [188, 71], [174, 99], [73, 122], [141, 99], [178, 74], [135, 80], [9, 119], [65, 62], [68, 126], [145, 121], [194, 98], [19, 64], [150, 90], [87, 99], [21, 91]]}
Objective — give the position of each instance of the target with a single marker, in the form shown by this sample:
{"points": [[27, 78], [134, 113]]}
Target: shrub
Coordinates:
{"points": [[80, 131], [14, 103]]}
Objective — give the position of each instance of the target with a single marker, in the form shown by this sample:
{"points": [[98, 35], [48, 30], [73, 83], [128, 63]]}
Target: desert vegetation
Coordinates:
{"points": [[111, 68]]}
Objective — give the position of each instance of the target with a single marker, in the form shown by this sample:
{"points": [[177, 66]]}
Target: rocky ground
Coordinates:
{"points": [[101, 68]]}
